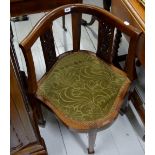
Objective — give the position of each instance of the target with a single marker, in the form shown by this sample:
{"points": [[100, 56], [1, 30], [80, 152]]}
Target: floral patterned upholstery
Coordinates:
{"points": [[83, 87]]}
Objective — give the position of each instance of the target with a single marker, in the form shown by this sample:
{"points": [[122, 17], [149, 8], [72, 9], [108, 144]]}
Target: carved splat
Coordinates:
{"points": [[47, 42], [105, 41]]}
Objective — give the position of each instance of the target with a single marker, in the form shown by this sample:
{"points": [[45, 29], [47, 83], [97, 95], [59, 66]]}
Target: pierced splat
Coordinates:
{"points": [[105, 41], [48, 46]]}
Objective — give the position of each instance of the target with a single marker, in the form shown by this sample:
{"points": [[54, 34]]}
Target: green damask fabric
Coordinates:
{"points": [[83, 87]]}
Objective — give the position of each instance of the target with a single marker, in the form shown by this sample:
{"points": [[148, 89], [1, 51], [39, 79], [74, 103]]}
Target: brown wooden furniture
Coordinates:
{"points": [[24, 133], [104, 55], [22, 7], [133, 12]]}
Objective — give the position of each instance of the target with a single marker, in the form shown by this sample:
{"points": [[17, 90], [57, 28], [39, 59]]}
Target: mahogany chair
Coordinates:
{"points": [[84, 89]]}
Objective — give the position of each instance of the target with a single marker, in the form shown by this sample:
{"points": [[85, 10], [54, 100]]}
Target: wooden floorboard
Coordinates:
{"points": [[76, 143], [125, 137], [105, 145]]}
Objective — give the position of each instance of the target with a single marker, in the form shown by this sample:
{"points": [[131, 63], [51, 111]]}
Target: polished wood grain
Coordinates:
{"points": [[139, 12], [131, 11], [48, 46], [134, 13]]}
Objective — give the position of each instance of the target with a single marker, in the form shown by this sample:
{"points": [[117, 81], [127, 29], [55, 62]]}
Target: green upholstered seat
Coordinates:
{"points": [[83, 87]]}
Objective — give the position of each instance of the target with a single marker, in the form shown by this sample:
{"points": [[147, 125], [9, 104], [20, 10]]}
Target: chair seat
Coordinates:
{"points": [[83, 90]]}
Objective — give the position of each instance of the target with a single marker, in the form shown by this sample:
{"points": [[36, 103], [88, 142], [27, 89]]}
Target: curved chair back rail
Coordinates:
{"points": [[46, 21]]}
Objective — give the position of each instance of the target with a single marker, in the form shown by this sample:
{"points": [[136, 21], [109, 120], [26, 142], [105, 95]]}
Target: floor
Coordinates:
{"points": [[119, 139]]}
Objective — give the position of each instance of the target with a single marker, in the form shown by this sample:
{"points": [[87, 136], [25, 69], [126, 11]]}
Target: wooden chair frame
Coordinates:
{"points": [[43, 31]]}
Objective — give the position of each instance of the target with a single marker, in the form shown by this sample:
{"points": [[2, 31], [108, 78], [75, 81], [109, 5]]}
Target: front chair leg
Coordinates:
{"points": [[92, 137]]}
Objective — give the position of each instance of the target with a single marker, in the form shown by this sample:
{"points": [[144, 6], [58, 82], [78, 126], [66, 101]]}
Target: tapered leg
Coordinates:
{"points": [[63, 23], [91, 138]]}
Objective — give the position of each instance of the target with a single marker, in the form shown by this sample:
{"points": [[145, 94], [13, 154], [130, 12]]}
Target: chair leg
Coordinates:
{"points": [[40, 117], [63, 23], [91, 138], [36, 108]]}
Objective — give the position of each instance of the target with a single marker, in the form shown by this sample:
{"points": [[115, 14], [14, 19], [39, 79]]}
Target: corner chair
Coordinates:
{"points": [[84, 89]]}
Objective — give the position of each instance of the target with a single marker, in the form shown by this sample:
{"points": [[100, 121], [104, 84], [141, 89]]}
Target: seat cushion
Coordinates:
{"points": [[81, 88]]}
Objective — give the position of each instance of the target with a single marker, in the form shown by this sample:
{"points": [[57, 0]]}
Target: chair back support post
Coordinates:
{"points": [[105, 41], [48, 47], [76, 30]]}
